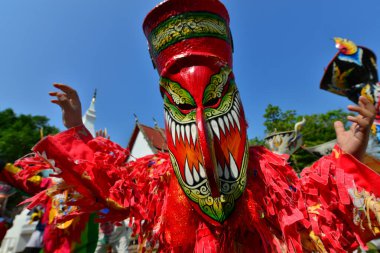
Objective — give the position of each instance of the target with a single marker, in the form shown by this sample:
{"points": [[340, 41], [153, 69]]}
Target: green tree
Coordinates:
{"points": [[18, 133], [256, 142], [319, 128]]}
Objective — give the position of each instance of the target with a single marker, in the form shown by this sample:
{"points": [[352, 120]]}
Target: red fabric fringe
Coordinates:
{"points": [[55, 240], [276, 213]]}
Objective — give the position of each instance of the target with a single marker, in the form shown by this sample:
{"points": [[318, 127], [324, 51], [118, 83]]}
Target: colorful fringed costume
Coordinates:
{"points": [[79, 233], [9, 198], [212, 192]]}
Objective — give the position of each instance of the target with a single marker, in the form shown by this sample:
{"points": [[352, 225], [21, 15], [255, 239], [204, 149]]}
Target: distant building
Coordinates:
{"points": [[146, 140], [90, 116]]}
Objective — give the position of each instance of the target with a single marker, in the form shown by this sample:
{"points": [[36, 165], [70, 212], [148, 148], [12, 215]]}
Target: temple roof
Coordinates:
{"points": [[155, 137]]}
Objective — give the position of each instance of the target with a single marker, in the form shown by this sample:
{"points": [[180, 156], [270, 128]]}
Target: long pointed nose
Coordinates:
{"points": [[207, 149]]}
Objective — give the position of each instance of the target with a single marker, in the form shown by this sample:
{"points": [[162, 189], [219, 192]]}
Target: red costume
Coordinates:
{"points": [[212, 192], [57, 238]]}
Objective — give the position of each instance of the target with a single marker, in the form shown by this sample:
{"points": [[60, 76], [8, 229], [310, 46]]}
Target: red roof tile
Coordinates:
{"points": [[154, 136]]}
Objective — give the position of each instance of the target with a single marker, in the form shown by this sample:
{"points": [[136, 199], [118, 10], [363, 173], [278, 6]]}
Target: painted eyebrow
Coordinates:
{"points": [[217, 83], [177, 93]]}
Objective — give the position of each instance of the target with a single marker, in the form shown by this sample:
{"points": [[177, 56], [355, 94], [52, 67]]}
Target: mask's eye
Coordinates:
{"points": [[212, 102], [185, 107]]}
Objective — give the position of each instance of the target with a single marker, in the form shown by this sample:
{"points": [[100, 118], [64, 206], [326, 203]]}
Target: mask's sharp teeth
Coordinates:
{"points": [[169, 123], [236, 118], [194, 132], [236, 104], [187, 128], [220, 170], [236, 108], [215, 127], [202, 171], [226, 122], [178, 130], [173, 132], [238, 99], [183, 133], [231, 119], [196, 175], [233, 167], [226, 172], [188, 176], [221, 124]]}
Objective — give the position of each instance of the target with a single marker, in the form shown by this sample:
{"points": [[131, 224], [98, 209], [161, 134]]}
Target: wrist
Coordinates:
{"points": [[74, 124]]}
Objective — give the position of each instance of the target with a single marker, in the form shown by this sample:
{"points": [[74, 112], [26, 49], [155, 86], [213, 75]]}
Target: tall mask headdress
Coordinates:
{"points": [[191, 46]]}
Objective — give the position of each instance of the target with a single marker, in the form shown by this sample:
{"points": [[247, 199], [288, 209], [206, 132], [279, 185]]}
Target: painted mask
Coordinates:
{"points": [[191, 46]]}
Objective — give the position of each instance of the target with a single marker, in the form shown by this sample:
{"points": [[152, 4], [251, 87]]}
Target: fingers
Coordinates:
{"points": [[339, 128], [363, 111], [102, 133], [61, 99], [66, 89], [360, 121], [366, 112], [67, 96]]}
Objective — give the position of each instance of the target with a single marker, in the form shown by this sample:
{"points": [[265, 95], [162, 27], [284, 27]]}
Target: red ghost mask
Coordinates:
{"points": [[191, 46]]}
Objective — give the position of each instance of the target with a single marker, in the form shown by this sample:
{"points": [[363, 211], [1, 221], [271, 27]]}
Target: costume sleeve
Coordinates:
{"points": [[101, 181], [31, 184], [342, 200]]}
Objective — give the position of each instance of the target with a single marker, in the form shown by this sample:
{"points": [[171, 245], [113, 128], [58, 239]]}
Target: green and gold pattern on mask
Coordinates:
{"points": [[215, 89], [188, 25], [214, 92], [180, 97], [219, 208], [222, 107]]}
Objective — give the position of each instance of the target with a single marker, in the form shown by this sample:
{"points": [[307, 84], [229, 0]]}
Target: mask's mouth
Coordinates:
{"points": [[229, 151], [224, 132]]}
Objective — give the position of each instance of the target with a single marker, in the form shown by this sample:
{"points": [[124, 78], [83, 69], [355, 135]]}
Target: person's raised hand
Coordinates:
{"points": [[355, 140], [102, 133], [67, 98]]}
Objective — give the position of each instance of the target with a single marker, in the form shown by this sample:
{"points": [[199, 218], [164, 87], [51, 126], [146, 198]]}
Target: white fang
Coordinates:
{"points": [[188, 176], [234, 167], [202, 171], [221, 124], [231, 119], [226, 122], [226, 172], [178, 130], [236, 118], [193, 132], [187, 128], [173, 132], [215, 127], [196, 175]]}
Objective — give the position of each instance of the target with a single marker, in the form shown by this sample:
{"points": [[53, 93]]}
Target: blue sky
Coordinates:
{"points": [[281, 49]]}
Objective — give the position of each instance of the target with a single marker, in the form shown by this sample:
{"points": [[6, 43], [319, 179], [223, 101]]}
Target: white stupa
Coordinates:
{"points": [[90, 116]]}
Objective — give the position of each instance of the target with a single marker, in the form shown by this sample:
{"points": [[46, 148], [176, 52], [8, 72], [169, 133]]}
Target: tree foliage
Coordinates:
{"points": [[18, 133], [318, 129]]}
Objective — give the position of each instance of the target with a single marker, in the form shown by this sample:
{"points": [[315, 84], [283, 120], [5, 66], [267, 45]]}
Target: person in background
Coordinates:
{"points": [[35, 242]]}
